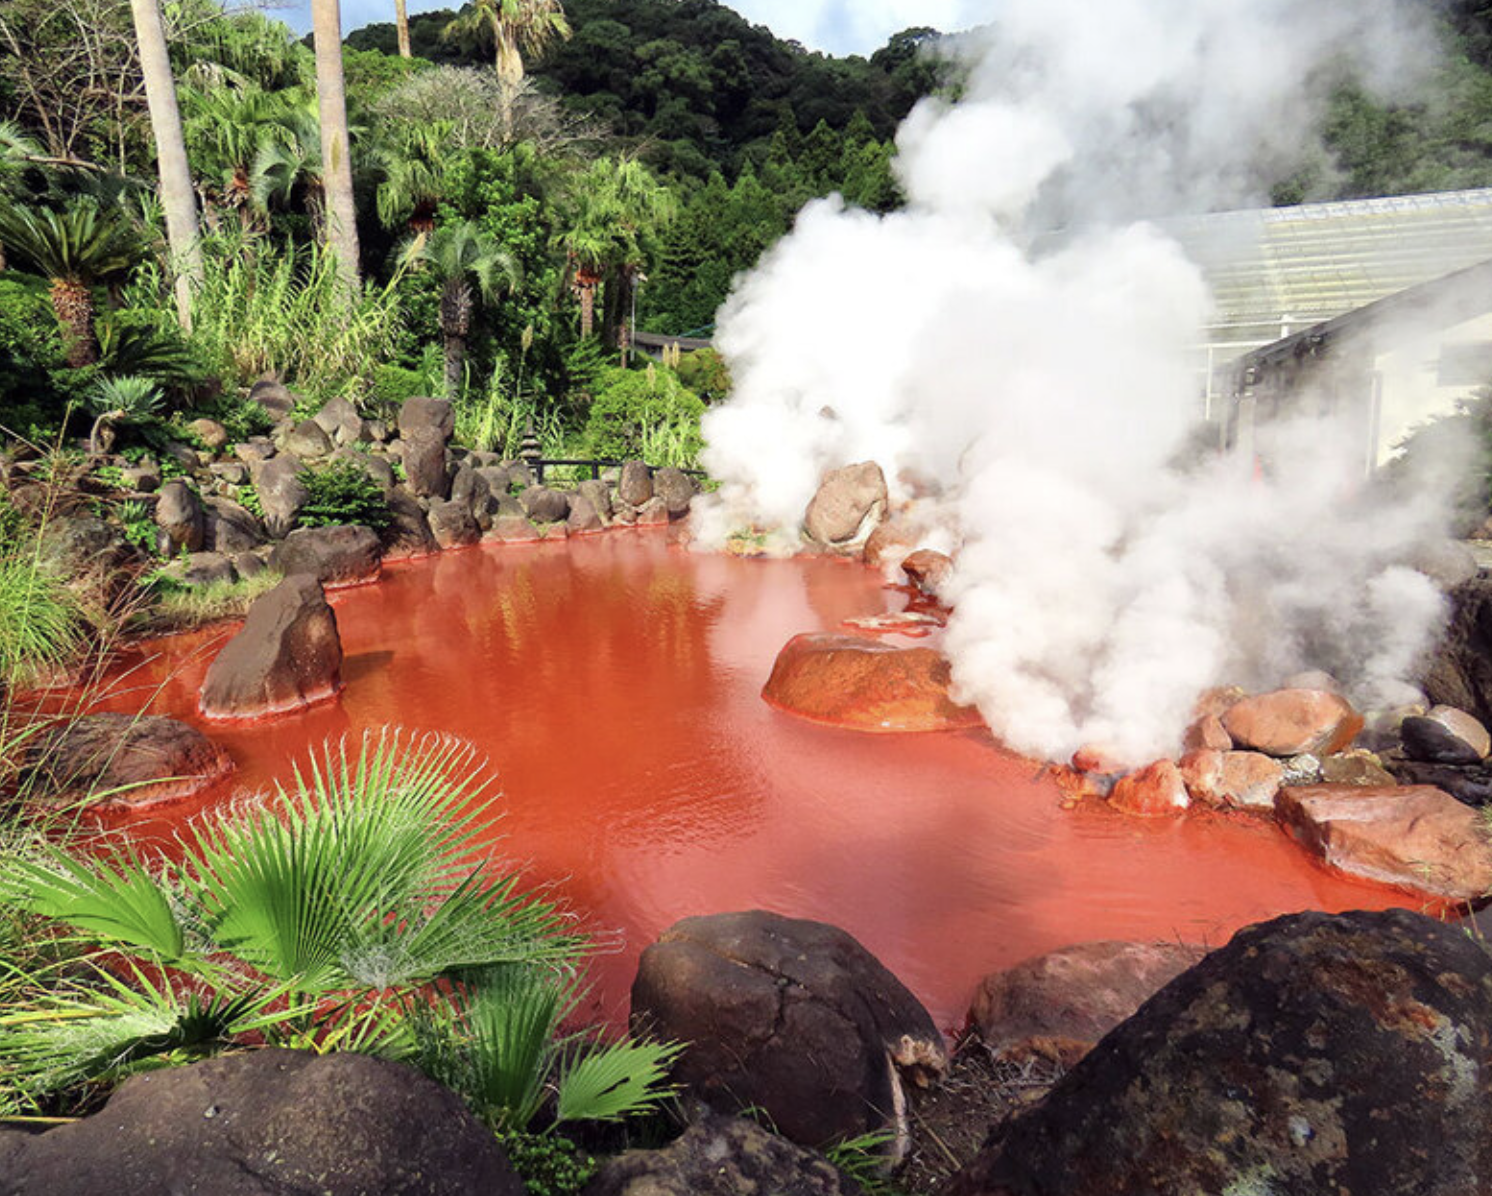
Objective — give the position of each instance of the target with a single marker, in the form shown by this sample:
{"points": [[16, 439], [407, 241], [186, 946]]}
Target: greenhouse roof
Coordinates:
{"points": [[1296, 266]]}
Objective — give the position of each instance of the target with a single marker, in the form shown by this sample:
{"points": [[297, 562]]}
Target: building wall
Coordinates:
{"points": [[1424, 375]]}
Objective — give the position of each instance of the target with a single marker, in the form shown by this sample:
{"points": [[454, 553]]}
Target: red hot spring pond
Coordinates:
{"points": [[614, 684]]}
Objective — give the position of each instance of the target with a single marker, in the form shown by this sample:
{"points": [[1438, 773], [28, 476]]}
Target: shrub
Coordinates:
{"points": [[647, 414], [41, 624], [342, 492]]}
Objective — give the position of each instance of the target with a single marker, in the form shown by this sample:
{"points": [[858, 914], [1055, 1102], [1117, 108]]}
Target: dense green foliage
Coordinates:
{"points": [[342, 492]]}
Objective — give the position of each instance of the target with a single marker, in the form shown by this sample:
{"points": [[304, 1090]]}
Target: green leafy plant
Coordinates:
{"points": [[548, 1164], [41, 622], [128, 398], [139, 527], [647, 414], [342, 492]]}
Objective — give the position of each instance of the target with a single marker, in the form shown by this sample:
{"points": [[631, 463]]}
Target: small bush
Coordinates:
{"points": [[40, 621], [647, 414], [342, 492], [548, 1164]]}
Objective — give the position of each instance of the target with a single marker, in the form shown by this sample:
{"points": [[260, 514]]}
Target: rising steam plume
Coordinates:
{"points": [[1015, 349]]}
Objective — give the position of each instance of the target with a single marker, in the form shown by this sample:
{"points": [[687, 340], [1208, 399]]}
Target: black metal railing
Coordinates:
{"points": [[537, 465]]}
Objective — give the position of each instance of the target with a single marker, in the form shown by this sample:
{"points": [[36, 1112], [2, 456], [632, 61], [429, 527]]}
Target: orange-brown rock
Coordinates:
{"points": [[1075, 785], [1248, 780], [1289, 722], [1416, 836], [1099, 758], [1072, 997], [927, 569], [887, 541], [852, 681], [1154, 790], [1207, 734], [1216, 701]]}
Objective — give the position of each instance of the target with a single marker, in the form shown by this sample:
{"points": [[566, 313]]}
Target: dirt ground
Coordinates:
{"points": [[951, 1121]]}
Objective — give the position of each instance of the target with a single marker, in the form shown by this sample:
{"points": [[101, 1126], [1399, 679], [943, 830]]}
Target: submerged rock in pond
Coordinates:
{"points": [[267, 1123], [1068, 999], [852, 681], [1312, 1054], [926, 569], [1288, 722], [789, 1016], [1248, 780], [1414, 835], [287, 655], [721, 1156], [122, 760]]}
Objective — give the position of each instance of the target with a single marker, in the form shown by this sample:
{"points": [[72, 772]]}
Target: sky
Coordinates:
{"points": [[834, 26]]}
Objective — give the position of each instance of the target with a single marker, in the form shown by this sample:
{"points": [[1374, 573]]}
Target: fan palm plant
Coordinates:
{"points": [[460, 255], [76, 249], [515, 28], [356, 913]]}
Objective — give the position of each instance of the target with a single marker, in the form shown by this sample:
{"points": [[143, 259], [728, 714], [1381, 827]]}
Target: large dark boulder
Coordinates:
{"points": [[721, 1156], [122, 760], [287, 655], [345, 555], [453, 525], [408, 533], [274, 398], [793, 1017], [425, 427], [675, 488], [268, 1123], [80, 544], [635, 486], [231, 529], [341, 422], [1459, 671], [544, 505], [1312, 1054]]}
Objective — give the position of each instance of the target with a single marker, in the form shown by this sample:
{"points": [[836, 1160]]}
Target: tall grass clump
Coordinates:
{"points": [[358, 909], [41, 621], [263, 307], [497, 419], [645, 413]]}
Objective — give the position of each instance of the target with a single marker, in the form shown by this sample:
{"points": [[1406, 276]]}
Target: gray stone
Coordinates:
{"points": [[230, 528], [1430, 741], [652, 513], [206, 568], [423, 453], [277, 401], [583, 515], [287, 655], [598, 494], [281, 492], [636, 484], [850, 502], [145, 477], [452, 524], [427, 415], [409, 532], [211, 433], [308, 441], [247, 565], [676, 490], [179, 515], [341, 422], [512, 529], [254, 450], [544, 505], [235, 473]]}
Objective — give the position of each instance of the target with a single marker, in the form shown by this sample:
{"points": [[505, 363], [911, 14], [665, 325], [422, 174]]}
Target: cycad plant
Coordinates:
{"points": [[76, 249], [357, 912], [460, 255], [126, 399]]}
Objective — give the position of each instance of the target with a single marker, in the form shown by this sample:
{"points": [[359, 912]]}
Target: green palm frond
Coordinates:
{"points": [[455, 252], [610, 1081], [81, 244], [118, 902]]}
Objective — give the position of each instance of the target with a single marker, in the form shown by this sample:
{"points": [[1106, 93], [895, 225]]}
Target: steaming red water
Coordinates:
{"points": [[615, 683]]}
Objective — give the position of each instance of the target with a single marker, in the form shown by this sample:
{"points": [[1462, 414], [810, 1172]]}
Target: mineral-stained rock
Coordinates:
{"points": [[721, 1156], [1465, 727], [1290, 721], [636, 483], [122, 760], [268, 1123], [1414, 836], [1207, 733], [1074, 995], [344, 555], [1248, 780], [286, 656], [927, 569], [848, 505], [1355, 768], [1443, 736], [891, 538], [1150, 791], [513, 529], [793, 1017], [854, 681], [1312, 1054]]}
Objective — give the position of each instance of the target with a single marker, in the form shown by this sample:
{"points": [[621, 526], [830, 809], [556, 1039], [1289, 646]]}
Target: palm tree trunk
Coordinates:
{"points": [[73, 304], [336, 155], [177, 196], [587, 309], [455, 347], [401, 23], [456, 302], [613, 307], [509, 76]]}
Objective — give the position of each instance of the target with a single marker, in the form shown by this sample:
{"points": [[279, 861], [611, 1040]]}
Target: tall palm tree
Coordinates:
{"points": [[514, 27], [616, 210], [336, 144], [401, 23], [177, 196], [75, 250], [412, 159], [460, 255]]}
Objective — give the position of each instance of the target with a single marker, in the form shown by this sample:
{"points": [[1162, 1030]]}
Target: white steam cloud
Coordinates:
{"points": [[1016, 349]]}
